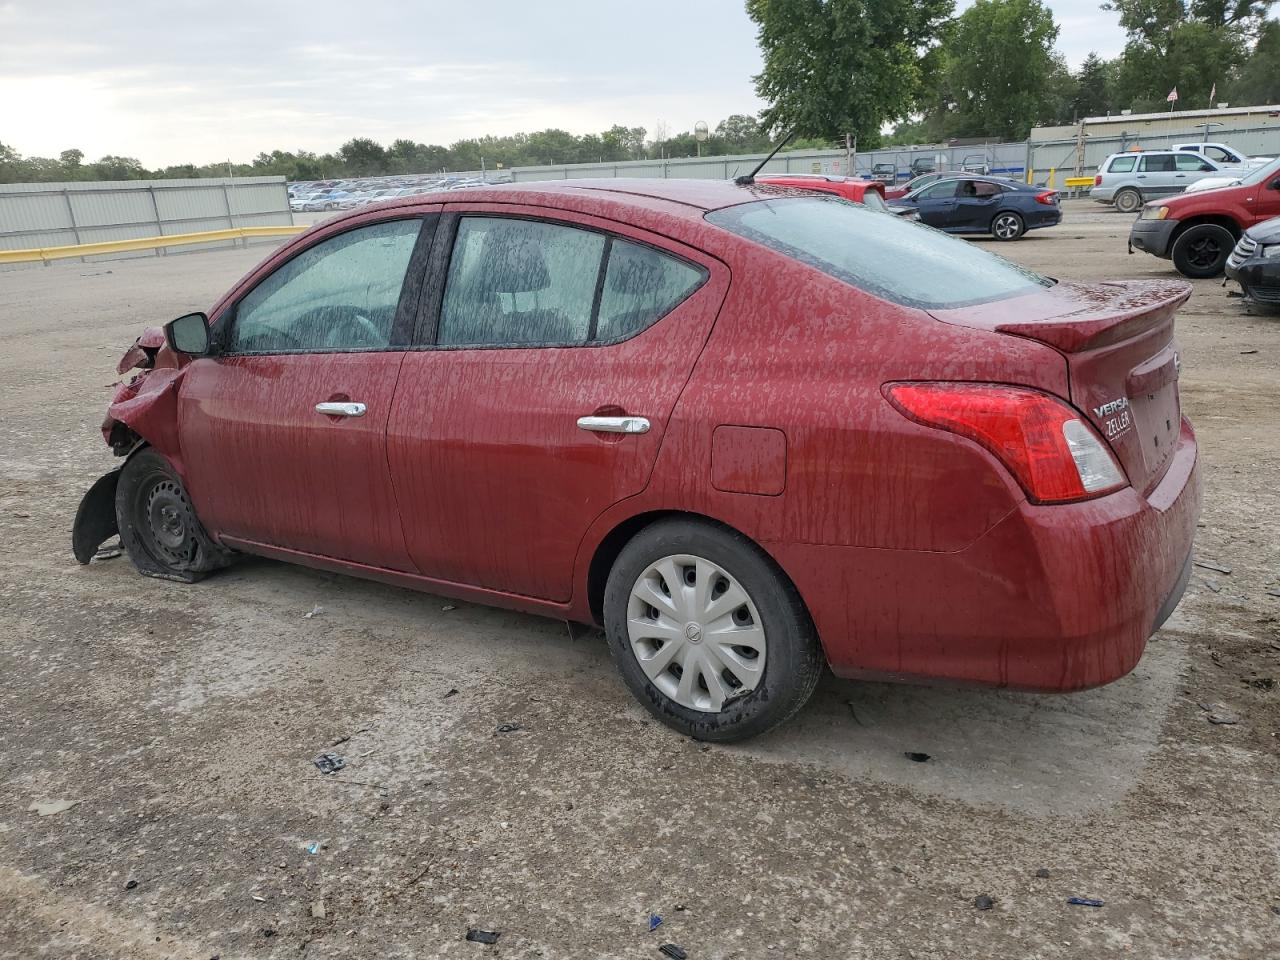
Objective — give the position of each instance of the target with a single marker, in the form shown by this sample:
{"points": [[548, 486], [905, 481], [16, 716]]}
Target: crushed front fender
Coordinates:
{"points": [[96, 518]]}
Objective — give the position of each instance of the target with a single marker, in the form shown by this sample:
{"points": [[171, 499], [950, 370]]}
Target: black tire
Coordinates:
{"points": [[1201, 251], [1128, 200], [794, 660], [1007, 225], [158, 525]]}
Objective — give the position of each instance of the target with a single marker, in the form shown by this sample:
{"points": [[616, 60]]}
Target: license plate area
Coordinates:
{"points": [[1153, 398]]}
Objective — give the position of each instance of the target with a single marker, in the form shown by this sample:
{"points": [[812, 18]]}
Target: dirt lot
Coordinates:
{"points": [[183, 721]]}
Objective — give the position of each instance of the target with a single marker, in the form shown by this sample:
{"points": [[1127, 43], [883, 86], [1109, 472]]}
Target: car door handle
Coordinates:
{"points": [[345, 409], [614, 424]]}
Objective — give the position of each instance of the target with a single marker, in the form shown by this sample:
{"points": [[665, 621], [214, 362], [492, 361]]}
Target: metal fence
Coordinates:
{"points": [[1005, 159], [61, 214]]}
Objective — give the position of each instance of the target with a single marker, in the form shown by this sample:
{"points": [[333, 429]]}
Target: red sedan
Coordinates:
{"points": [[722, 421]]}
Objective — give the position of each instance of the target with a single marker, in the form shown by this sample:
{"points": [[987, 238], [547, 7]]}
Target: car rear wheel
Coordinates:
{"points": [[1201, 251], [707, 633], [158, 525], [1128, 201], [1007, 226]]}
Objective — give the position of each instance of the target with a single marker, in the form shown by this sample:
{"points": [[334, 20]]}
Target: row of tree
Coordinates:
{"points": [[837, 67], [364, 157], [856, 66]]}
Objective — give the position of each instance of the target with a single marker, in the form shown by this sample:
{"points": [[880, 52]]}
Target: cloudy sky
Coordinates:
{"points": [[176, 81]]}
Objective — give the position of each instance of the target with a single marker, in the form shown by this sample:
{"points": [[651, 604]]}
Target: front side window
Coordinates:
{"points": [[942, 190], [1217, 153], [1189, 163], [528, 283], [1122, 165], [902, 262], [338, 295]]}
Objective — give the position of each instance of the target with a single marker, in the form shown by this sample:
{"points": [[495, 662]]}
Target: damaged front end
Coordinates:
{"points": [[143, 410]]}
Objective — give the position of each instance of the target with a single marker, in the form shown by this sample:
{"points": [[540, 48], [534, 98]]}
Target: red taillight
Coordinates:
{"points": [[1049, 197], [1097, 180], [1045, 444]]}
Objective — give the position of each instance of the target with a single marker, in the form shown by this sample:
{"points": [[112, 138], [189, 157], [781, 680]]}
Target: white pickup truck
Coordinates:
{"points": [[1224, 156]]}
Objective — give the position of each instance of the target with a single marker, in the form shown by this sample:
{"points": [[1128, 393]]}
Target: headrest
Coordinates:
{"points": [[512, 264]]}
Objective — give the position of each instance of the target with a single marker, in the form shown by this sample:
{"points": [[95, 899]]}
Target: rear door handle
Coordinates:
{"points": [[614, 424], [345, 409]]}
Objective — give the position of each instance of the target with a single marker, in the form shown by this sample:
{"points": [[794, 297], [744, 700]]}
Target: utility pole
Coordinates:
{"points": [[848, 155]]}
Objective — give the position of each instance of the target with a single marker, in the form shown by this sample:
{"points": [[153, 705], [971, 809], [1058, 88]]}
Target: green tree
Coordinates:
{"points": [[833, 67], [1094, 82], [1191, 45], [118, 168], [363, 157], [1259, 79], [1001, 67]]}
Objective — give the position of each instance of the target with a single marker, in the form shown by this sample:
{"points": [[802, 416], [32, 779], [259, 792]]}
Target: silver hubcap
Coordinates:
{"points": [[1006, 227], [695, 633]]}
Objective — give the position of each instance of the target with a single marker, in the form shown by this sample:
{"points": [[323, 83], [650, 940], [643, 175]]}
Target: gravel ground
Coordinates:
{"points": [[182, 722]]}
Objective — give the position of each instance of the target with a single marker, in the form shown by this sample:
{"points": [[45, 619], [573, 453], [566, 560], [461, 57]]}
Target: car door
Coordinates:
{"points": [[937, 203], [1156, 175], [976, 202], [553, 354], [1264, 197], [283, 431]]}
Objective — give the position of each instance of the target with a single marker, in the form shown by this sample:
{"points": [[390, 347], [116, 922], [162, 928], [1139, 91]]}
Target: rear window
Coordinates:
{"points": [[906, 263], [1122, 165]]}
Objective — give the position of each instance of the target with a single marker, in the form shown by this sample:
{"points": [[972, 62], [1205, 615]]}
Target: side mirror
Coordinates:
{"points": [[188, 335]]}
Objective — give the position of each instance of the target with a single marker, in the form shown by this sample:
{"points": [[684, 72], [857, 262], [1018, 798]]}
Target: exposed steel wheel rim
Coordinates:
{"points": [[1006, 226], [696, 632], [165, 522]]}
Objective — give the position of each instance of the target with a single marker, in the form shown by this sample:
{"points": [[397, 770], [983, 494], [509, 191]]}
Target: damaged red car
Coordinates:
{"points": [[720, 420]]}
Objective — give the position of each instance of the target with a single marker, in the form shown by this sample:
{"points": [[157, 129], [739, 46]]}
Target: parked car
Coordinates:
{"points": [[915, 183], [1223, 155], [967, 204], [1128, 180], [1255, 263], [749, 433], [922, 165], [884, 172], [1197, 231], [976, 163]]}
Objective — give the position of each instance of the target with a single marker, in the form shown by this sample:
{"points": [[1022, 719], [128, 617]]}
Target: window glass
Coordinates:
{"points": [[941, 190], [981, 188], [641, 285], [1190, 162], [1157, 163], [340, 294], [519, 282], [1217, 153], [1122, 165], [903, 262]]}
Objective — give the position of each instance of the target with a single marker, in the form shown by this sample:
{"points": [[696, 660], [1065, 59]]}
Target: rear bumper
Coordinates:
{"points": [[1152, 236], [1051, 217], [1052, 598]]}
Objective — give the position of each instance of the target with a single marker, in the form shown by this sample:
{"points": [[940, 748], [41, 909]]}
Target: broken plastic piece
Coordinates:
{"points": [[674, 952], [655, 922], [983, 902], [329, 763], [315, 612], [509, 727], [313, 848], [483, 936], [1083, 902], [918, 757]]}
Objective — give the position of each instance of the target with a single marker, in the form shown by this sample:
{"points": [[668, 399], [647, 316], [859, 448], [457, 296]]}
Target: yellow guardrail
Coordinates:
{"points": [[1073, 182], [45, 254]]}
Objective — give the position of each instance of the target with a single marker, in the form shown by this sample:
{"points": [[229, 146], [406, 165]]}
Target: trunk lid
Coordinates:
{"points": [[1122, 361]]}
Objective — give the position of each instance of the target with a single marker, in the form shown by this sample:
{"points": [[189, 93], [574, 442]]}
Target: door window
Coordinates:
{"points": [[1157, 163], [1189, 163], [1217, 153], [339, 295], [1122, 165], [942, 190], [525, 283], [982, 188]]}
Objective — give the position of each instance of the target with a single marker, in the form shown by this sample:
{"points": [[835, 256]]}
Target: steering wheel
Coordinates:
{"points": [[356, 330]]}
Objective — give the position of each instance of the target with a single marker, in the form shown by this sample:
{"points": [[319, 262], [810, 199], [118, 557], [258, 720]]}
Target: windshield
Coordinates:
{"points": [[906, 263], [1270, 170]]}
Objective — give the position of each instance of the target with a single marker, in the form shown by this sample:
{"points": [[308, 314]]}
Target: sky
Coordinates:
{"points": [[176, 81]]}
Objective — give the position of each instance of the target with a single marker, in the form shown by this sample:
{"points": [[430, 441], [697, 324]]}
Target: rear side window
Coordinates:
{"points": [[528, 283], [1157, 163], [1122, 165], [984, 189], [902, 262]]}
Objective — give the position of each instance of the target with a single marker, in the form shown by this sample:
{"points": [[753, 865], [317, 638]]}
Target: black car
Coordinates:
{"points": [[1255, 263], [971, 204]]}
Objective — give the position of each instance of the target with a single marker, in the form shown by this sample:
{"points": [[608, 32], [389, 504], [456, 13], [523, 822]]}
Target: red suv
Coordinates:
{"points": [[750, 433], [1198, 230]]}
